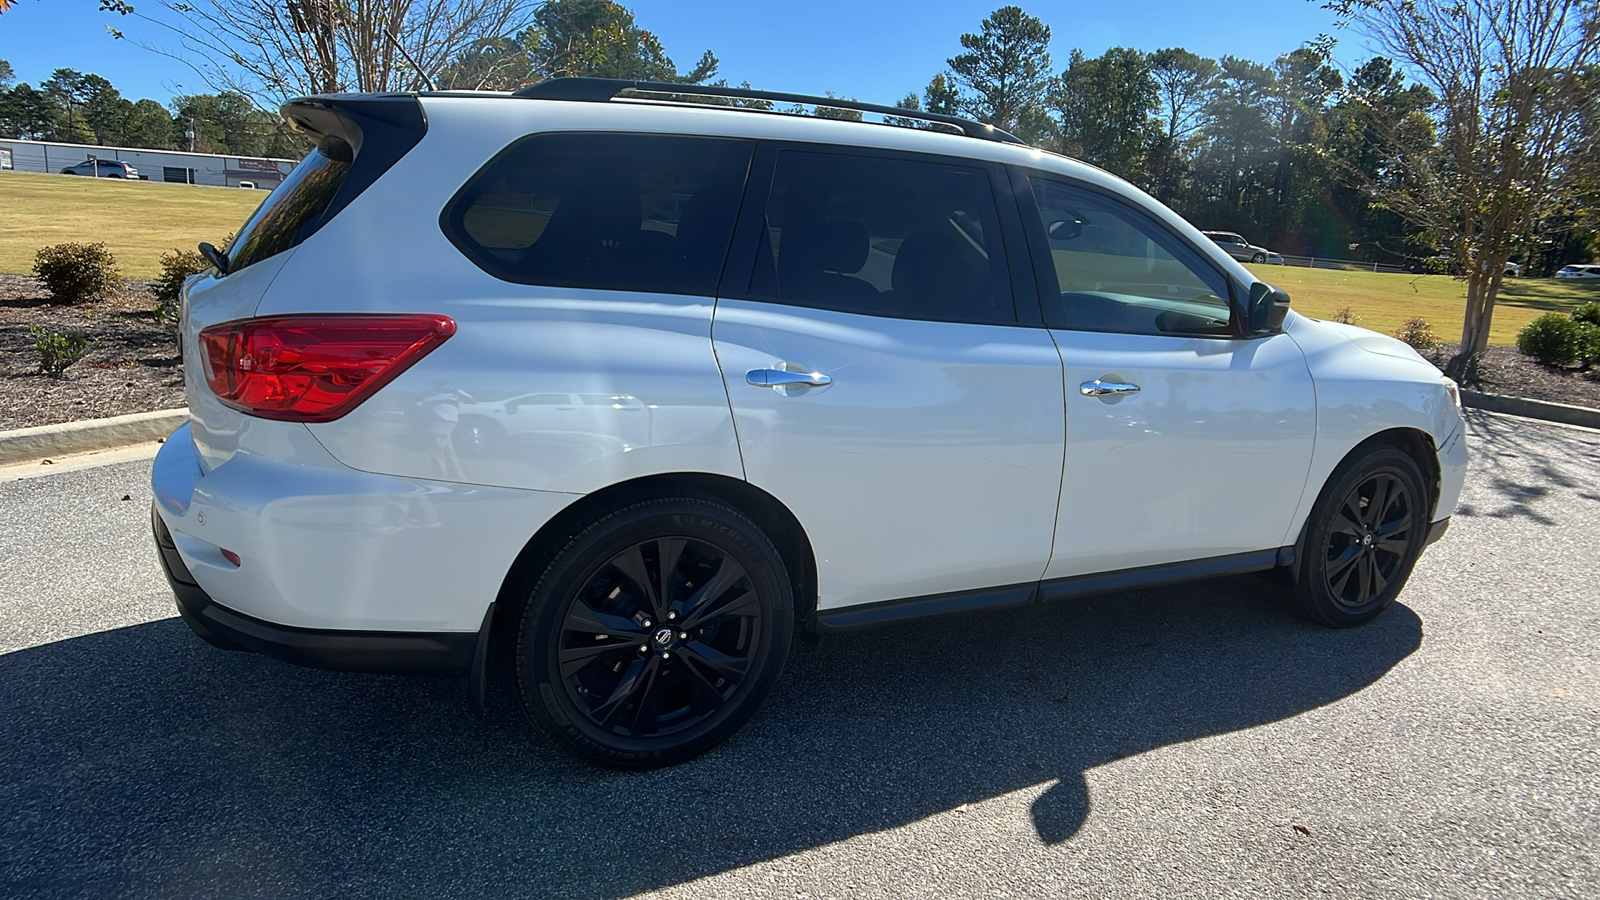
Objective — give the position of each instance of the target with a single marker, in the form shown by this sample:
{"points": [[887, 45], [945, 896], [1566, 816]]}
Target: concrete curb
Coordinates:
{"points": [[1533, 409], [40, 442]]}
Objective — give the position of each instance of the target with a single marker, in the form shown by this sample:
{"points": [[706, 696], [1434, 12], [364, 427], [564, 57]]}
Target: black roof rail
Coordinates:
{"points": [[600, 90]]}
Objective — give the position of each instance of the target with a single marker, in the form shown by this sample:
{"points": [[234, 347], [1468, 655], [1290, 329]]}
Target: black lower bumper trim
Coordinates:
{"points": [[448, 653], [1438, 530]]}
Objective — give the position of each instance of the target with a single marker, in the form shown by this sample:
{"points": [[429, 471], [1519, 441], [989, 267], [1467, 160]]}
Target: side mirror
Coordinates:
{"points": [[1268, 308], [1066, 230]]}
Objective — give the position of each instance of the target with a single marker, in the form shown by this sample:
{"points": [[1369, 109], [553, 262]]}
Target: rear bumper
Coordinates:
{"points": [[448, 653]]}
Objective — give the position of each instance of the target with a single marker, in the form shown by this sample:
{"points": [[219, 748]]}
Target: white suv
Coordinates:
{"points": [[731, 373]]}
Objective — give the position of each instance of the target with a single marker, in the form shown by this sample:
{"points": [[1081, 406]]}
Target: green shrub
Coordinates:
{"points": [[1418, 333], [1551, 339], [59, 351], [1346, 316], [176, 267], [1588, 312], [77, 272], [1586, 343]]}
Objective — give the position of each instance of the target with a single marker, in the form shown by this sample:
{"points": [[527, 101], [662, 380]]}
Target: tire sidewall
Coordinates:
{"points": [[1317, 600], [544, 693]]}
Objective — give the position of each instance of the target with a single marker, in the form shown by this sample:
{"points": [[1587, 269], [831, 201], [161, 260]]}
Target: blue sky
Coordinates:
{"points": [[873, 50]]}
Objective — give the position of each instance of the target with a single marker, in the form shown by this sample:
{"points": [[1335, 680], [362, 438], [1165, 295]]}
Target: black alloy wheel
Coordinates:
{"points": [[1363, 537], [656, 633], [1370, 539]]}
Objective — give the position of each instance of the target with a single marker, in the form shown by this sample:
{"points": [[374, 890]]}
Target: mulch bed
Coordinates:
{"points": [[135, 366], [1502, 370]]}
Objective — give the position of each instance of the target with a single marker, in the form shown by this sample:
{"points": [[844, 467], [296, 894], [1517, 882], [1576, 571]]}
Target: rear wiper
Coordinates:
{"points": [[214, 256]]}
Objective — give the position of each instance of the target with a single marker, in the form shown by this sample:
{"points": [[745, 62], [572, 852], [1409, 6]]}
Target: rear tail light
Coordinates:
{"points": [[313, 368]]}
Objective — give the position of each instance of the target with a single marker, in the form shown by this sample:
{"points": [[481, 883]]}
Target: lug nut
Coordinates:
{"points": [[672, 614], [646, 623], [683, 635], [665, 655], [644, 648]]}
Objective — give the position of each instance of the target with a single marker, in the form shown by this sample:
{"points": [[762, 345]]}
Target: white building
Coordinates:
{"points": [[153, 165]]}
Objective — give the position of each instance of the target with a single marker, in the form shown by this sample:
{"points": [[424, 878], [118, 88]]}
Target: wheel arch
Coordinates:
{"points": [[1413, 442], [1418, 445], [769, 514]]}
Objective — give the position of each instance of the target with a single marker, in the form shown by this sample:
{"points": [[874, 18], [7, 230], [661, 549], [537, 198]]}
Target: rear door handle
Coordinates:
{"points": [[1098, 388], [779, 378]]}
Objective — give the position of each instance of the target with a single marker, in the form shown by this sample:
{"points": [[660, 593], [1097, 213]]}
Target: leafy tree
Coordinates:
{"points": [[833, 112], [27, 113], [104, 111], [228, 123], [1514, 88], [1184, 83], [1006, 72], [597, 38], [1302, 85], [7, 77], [1236, 148], [1104, 106], [941, 96], [1376, 102], [67, 89], [148, 124]]}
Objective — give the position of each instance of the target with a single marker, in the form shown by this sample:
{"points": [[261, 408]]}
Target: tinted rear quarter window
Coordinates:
{"points": [[295, 208], [606, 211]]}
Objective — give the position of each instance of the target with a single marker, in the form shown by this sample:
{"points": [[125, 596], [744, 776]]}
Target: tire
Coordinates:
{"points": [[1259, 258], [1354, 562], [623, 676]]}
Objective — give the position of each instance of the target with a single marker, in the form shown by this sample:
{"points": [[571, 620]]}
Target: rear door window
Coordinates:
{"points": [[883, 236], [607, 211]]}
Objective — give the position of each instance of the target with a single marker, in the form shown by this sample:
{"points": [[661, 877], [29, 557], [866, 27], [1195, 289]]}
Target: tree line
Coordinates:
{"points": [[1291, 153], [84, 108]]}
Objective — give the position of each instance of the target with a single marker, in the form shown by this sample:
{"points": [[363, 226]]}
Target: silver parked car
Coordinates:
{"points": [[102, 168], [1239, 248]]}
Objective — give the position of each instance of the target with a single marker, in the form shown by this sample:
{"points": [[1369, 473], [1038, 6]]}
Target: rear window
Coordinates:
{"points": [[608, 211], [294, 210]]}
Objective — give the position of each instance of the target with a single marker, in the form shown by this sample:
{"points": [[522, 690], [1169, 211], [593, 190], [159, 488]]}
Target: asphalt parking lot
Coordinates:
{"points": [[1192, 741]]}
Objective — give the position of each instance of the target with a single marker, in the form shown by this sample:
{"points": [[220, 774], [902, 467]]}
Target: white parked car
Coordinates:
{"points": [[842, 375], [1579, 271]]}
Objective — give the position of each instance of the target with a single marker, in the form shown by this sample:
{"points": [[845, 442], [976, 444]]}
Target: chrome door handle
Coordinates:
{"points": [[779, 378], [1098, 388]]}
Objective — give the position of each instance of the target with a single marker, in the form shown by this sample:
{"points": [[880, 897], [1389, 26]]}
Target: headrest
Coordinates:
{"points": [[833, 245], [941, 269]]}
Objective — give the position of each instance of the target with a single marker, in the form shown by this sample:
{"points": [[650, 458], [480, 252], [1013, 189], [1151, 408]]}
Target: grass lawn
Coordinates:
{"points": [[1384, 301], [138, 220]]}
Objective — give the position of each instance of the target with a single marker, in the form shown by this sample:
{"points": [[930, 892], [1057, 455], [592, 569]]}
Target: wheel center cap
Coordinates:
{"points": [[663, 637], [1366, 540]]}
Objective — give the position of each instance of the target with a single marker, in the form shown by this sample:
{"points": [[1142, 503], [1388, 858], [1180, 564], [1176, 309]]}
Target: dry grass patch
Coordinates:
{"points": [[1385, 302], [138, 220]]}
